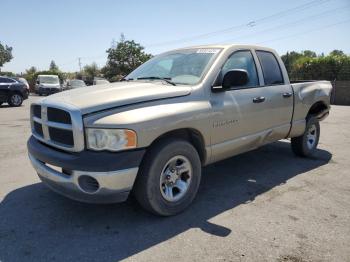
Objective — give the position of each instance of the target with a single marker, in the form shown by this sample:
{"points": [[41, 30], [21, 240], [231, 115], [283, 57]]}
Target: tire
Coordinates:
{"points": [[306, 144], [157, 189], [15, 100]]}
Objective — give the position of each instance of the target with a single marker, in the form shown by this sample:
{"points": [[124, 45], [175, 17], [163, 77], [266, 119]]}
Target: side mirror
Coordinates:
{"points": [[235, 78], [37, 82]]}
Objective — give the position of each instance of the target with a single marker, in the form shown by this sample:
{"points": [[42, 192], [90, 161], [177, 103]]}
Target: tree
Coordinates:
{"points": [[32, 70], [30, 75], [307, 66], [289, 59], [53, 67], [308, 53], [336, 52], [5, 54], [89, 72], [123, 58]]}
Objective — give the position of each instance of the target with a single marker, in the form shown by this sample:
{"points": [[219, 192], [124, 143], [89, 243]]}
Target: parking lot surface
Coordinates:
{"points": [[265, 205]]}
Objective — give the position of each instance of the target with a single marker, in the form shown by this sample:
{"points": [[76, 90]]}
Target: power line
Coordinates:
{"points": [[245, 25], [305, 32], [240, 27], [286, 25]]}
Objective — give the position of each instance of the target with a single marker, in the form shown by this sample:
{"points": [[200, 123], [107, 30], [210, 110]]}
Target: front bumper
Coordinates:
{"points": [[75, 176], [25, 94], [48, 90]]}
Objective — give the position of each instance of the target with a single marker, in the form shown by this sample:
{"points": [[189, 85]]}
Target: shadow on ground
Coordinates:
{"points": [[4, 105], [38, 225]]}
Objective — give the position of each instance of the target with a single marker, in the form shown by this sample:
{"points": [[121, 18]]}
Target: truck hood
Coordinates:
{"points": [[100, 97]]}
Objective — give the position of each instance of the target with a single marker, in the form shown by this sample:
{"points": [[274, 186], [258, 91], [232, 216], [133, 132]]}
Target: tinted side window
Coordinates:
{"points": [[6, 80], [270, 67], [242, 60]]}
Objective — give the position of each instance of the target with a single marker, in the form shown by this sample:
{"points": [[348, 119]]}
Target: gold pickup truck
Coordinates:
{"points": [[151, 133]]}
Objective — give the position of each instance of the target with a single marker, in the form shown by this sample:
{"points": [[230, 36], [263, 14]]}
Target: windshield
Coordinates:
{"points": [[48, 79], [77, 83], [181, 67]]}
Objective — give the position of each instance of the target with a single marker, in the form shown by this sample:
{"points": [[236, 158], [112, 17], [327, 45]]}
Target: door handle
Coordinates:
{"points": [[286, 95], [258, 99]]}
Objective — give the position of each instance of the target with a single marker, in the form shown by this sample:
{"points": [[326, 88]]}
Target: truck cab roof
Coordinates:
{"points": [[228, 46]]}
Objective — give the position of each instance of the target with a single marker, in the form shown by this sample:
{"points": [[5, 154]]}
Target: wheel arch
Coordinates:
{"points": [[12, 92], [191, 135], [319, 110]]}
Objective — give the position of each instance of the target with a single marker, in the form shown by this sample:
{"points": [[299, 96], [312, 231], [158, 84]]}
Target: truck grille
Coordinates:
{"points": [[58, 127], [58, 115]]}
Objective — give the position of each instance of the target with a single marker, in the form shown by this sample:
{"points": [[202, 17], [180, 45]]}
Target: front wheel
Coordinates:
{"points": [[169, 177], [15, 100], [306, 144]]}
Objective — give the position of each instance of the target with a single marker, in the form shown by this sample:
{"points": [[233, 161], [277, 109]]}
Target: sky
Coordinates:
{"points": [[64, 30]]}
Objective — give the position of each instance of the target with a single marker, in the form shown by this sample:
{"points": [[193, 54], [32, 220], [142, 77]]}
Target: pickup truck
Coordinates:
{"points": [[151, 133]]}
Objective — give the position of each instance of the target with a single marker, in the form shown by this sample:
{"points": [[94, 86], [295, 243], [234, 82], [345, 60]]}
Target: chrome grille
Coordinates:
{"points": [[58, 125]]}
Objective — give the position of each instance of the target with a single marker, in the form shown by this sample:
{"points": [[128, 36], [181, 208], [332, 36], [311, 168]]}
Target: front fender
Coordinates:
{"points": [[152, 120]]}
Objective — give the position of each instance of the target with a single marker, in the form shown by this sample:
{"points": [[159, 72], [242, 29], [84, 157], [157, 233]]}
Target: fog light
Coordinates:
{"points": [[88, 184]]}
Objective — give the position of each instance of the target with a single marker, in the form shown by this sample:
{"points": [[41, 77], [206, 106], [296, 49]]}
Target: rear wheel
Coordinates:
{"points": [[15, 99], [169, 177], [306, 144]]}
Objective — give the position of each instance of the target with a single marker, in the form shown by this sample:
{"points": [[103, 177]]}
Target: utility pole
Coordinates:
{"points": [[79, 61]]}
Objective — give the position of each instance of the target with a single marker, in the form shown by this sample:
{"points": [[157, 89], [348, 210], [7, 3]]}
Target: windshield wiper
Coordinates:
{"points": [[166, 79], [126, 79]]}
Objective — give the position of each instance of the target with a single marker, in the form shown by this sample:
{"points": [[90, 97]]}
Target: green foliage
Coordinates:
{"points": [[89, 72], [308, 53], [31, 75], [308, 66], [124, 57], [53, 67], [5, 54], [337, 53], [4, 73]]}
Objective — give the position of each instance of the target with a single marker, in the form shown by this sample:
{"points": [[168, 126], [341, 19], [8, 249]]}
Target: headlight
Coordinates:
{"points": [[110, 139]]}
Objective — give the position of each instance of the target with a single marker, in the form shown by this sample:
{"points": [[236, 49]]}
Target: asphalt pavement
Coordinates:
{"points": [[264, 205]]}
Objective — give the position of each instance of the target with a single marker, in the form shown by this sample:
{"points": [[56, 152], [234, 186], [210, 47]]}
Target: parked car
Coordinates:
{"points": [[12, 91], [64, 85], [75, 83], [100, 81], [47, 84], [179, 111], [24, 81]]}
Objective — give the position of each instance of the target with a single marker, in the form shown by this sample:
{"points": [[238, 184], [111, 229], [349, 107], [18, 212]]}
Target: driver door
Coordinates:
{"points": [[239, 114]]}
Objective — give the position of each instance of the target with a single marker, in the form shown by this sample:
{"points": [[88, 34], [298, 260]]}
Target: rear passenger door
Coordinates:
{"points": [[278, 93]]}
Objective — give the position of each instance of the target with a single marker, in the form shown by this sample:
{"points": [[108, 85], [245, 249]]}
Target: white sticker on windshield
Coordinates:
{"points": [[207, 51]]}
